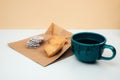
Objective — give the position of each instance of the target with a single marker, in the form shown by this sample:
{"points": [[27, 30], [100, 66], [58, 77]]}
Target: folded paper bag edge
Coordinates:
{"points": [[54, 29]]}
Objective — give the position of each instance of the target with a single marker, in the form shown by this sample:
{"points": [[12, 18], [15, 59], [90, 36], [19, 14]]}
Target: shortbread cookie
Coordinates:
{"points": [[55, 44]]}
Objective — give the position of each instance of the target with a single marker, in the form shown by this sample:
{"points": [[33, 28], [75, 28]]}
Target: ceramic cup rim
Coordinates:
{"points": [[93, 33]]}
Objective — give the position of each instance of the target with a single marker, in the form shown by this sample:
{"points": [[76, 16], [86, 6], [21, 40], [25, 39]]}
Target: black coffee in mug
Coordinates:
{"points": [[88, 41]]}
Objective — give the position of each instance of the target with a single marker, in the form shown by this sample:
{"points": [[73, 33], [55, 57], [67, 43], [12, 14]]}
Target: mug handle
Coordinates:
{"points": [[113, 52]]}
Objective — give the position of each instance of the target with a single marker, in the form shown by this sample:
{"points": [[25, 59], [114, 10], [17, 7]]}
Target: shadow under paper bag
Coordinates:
{"points": [[38, 55]]}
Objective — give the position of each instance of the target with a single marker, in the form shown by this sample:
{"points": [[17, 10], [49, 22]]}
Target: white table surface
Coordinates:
{"points": [[14, 66]]}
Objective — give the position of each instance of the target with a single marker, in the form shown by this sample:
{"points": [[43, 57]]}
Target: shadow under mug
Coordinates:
{"points": [[88, 47]]}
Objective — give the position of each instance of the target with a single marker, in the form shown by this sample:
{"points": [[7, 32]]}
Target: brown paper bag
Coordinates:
{"points": [[38, 54]]}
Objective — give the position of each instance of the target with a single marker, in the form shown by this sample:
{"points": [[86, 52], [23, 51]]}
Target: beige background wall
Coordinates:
{"points": [[38, 14]]}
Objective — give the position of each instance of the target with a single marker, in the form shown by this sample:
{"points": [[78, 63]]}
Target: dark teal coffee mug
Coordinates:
{"points": [[88, 47]]}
